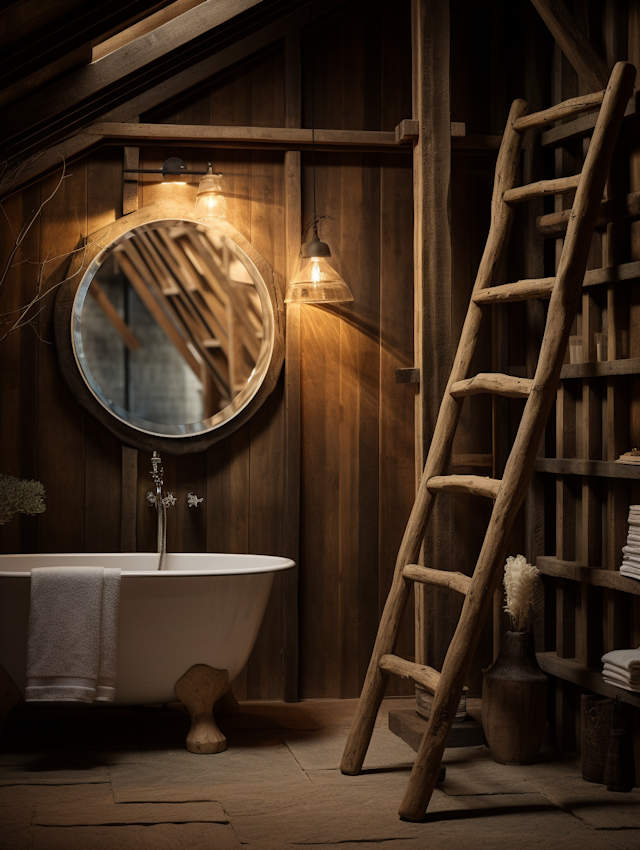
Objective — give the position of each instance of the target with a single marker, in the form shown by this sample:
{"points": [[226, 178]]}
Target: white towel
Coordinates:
{"points": [[628, 659], [72, 634], [630, 571], [620, 675], [618, 684]]}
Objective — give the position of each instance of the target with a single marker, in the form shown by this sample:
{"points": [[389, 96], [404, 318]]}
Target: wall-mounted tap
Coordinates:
{"points": [[192, 500], [160, 502]]}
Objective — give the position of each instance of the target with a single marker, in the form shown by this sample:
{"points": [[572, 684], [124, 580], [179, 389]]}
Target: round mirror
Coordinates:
{"points": [[173, 332]]}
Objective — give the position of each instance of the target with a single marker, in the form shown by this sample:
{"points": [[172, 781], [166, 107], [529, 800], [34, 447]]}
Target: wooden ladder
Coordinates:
{"points": [[509, 492]]}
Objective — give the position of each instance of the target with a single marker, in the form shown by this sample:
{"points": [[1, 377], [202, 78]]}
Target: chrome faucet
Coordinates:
{"points": [[161, 503]]}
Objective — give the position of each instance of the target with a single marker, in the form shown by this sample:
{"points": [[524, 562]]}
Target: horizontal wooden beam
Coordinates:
{"points": [[86, 83], [285, 138], [595, 468], [589, 575], [572, 670], [604, 369], [408, 130]]}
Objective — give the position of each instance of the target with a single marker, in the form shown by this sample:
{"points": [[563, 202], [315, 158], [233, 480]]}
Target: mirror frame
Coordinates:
{"points": [[63, 323]]}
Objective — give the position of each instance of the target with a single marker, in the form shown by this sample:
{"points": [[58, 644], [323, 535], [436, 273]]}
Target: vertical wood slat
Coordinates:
{"points": [[61, 430], [432, 288], [293, 231]]}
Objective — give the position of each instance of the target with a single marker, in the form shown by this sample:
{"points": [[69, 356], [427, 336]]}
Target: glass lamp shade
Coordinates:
{"points": [[317, 282], [211, 204]]}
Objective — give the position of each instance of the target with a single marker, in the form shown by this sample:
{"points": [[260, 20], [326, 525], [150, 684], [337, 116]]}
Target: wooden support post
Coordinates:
{"points": [[432, 293], [573, 42], [199, 689]]}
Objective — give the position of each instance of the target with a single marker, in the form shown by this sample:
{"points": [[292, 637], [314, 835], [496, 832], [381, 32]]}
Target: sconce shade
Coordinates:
{"points": [[316, 282], [211, 204]]}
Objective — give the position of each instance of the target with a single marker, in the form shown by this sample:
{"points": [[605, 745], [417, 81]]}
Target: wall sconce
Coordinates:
{"points": [[172, 170], [316, 282], [211, 204]]}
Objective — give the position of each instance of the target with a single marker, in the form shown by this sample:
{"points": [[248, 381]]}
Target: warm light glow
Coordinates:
{"points": [[174, 183], [210, 202], [317, 282], [315, 270]]}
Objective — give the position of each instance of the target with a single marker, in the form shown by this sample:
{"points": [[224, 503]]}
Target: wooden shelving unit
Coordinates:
{"points": [[580, 466], [586, 678], [595, 576]]}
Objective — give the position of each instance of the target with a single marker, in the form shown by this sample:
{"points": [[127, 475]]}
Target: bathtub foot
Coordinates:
{"points": [[199, 688], [9, 695], [228, 706]]}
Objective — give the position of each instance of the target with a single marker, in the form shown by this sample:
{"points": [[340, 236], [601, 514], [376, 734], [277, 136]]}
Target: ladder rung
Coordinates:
{"points": [[456, 581], [477, 485], [425, 676], [557, 186], [560, 110], [521, 290], [493, 382]]}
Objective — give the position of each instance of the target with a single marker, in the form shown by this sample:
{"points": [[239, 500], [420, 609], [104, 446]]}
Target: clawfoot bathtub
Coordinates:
{"points": [[201, 609]]}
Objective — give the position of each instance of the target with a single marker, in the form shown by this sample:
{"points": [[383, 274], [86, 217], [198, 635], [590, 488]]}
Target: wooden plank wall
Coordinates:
{"points": [[357, 474], [575, 518]]}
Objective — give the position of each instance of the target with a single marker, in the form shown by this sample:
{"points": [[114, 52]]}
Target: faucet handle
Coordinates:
{"points": [[169, 500], [193, 501], [151, 498]]}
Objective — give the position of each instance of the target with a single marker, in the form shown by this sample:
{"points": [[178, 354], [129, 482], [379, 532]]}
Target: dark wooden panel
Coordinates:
{"points": [[61, 440]]}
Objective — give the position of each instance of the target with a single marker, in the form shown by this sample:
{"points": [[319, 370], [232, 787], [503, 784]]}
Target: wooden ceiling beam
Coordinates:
{"points": [[88, 82], [574, 43], [42, 33]]}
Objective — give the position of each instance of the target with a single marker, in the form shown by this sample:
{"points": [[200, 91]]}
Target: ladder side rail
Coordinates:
{"points": [[439, 451], [519, 467]]}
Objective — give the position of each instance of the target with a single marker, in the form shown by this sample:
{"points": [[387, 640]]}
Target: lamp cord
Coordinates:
{"points": [[313, 111]]}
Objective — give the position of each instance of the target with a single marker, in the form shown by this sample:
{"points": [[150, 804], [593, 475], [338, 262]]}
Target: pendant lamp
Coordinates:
{"points": [[317, 281]]}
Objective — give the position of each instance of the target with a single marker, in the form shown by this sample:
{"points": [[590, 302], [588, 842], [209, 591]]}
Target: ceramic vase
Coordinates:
{"points": [[514, 702]]}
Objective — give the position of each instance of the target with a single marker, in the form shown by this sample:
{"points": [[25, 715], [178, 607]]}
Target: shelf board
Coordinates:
{"points": [[572, 670], [606, 369], [408, 725], [611, 579], [612, 274], [579, 466]]}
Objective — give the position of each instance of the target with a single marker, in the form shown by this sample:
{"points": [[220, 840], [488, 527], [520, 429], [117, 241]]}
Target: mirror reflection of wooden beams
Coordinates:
{"points": [[217, 269], [189, 287], [128, 337], [157, 312], [156, 265], [179, 318]]}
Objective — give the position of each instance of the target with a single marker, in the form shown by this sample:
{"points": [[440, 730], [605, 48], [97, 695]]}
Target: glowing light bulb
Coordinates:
{"points": [[315, 270]]}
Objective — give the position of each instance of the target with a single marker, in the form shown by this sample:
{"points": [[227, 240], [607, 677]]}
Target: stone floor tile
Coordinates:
{"points": [[16, 839], [184, 776], [593, 804], [331, 816], [472, 771], [623, 839], [16, 807], [167, 836], [86, 805], [323, 750], [53, 774]]}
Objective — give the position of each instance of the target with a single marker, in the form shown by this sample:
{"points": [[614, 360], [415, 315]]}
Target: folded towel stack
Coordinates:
{"points": [[72, 634], [631, 552], [622, 669]]}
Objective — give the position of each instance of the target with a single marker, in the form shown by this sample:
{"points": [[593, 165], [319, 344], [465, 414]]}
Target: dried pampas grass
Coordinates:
{"points": [[520, 581]]}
